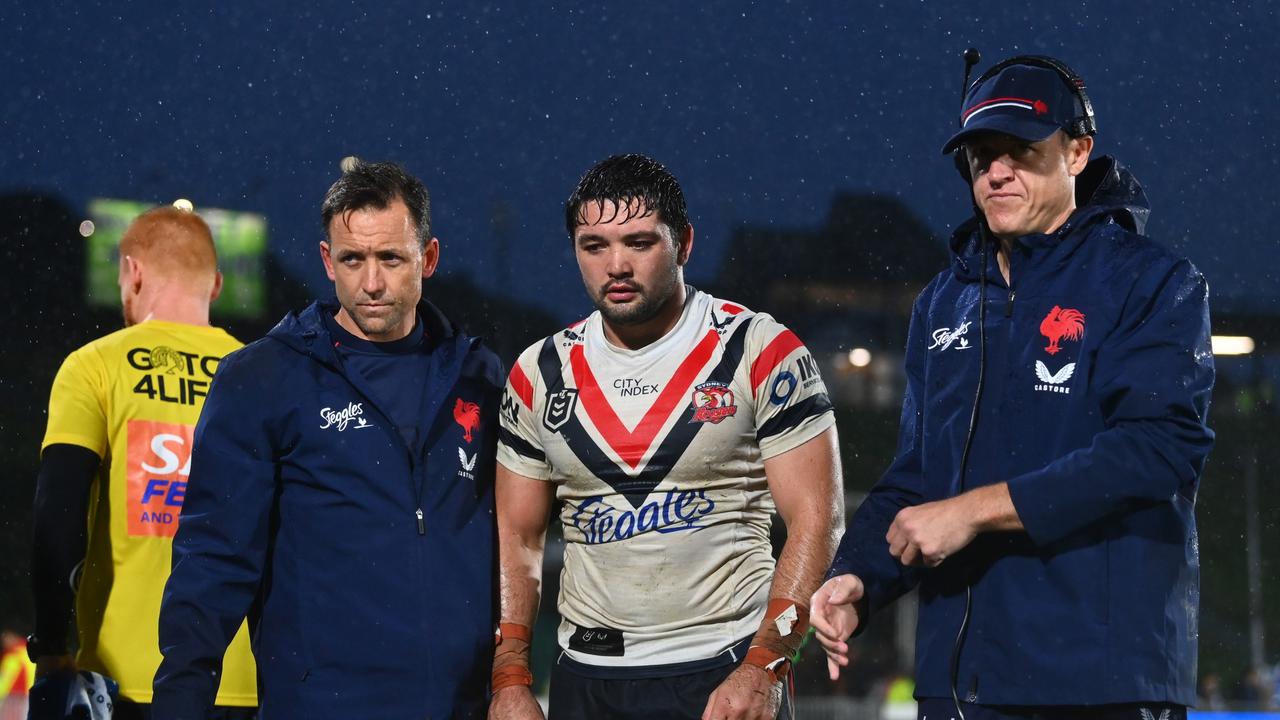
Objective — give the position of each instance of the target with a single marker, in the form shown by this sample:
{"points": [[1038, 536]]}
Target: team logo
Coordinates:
{"points": [[466, 414], [167, 358], [560, 406], [352, 416], [712, 402], [467, 464], [1061, 324], [720, 325], [1053, 382], [944, 338]]}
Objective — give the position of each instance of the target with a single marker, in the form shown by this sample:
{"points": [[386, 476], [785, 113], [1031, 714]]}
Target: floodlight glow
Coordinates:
{"points": [[1232, 345], [859, 357], [86, 228], [184, 205]]}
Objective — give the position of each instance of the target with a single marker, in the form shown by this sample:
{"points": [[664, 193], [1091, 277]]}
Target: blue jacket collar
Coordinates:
{"points": [[305, 331]]}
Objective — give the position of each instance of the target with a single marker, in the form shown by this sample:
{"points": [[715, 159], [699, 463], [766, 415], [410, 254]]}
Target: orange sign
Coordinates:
{"points": [[158, 465]]}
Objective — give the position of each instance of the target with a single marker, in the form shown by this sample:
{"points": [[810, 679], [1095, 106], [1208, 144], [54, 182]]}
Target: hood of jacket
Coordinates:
{"points": [[1106, 191]]}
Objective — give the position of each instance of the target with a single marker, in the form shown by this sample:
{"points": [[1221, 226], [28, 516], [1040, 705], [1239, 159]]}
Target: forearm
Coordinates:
{"points": [[991, 508], [59, 540], [806, 555], [520, 577]]}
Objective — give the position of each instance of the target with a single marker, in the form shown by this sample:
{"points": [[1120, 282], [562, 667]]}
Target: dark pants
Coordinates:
{"points": [[129, 710], [680, 697], [938, 709]]}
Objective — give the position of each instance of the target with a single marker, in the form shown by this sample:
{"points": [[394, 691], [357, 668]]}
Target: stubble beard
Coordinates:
{"points": [[647, 305]]}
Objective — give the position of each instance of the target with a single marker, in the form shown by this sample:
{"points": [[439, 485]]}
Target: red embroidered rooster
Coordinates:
{"points": [[466, 414], [1061, 324]]}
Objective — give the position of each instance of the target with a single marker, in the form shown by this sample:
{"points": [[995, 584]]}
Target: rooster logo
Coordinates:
{"points": [[1061, 324], [466, 414]]}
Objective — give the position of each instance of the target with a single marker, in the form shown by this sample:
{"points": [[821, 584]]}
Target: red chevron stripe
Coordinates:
{"points": [[772, 356], [520, 383], [631, 445]]}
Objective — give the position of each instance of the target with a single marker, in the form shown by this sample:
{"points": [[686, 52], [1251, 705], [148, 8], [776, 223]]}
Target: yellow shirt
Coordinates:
{"points": [[133, 397]]}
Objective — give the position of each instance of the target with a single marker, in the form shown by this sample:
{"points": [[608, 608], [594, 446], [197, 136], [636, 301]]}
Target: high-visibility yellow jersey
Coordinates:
{"points": [[133, 397]]}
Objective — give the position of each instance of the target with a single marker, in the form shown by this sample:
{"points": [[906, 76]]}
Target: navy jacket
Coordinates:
{"points": [[301, 514], [1098, 375]]}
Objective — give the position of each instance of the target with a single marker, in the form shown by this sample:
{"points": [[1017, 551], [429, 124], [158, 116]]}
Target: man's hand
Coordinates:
{"points": [[835, 611], [930, 533], [747, 694], [515, 703]]}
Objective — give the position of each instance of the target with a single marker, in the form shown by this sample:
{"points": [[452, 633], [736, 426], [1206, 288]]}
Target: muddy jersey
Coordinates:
{"points": [[658, 459], [133, 398]]}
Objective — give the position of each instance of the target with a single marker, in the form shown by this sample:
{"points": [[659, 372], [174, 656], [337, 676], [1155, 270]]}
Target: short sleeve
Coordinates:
{"points": [[791, 402], [520, 449], [77, 404]]}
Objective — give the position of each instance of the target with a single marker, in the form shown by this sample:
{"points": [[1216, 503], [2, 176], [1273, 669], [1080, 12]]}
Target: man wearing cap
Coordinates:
{"points": [[1052, 438]]}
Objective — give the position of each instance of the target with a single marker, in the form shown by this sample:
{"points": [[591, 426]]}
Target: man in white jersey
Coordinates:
{"points": [[671, 425]]}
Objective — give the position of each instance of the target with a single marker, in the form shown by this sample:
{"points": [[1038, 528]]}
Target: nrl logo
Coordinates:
{"points": [[944, 338], [560, 406]]}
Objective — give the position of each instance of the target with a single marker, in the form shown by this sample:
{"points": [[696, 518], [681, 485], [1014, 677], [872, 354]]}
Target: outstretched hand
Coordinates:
{"points": [[835, 611]]}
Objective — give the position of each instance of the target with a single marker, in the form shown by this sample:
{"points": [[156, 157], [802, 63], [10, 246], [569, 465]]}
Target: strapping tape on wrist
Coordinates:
{"points": [[511, 656]]}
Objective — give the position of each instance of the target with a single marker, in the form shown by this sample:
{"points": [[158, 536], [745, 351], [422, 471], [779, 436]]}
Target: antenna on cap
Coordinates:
{"points": [[971, 58]]}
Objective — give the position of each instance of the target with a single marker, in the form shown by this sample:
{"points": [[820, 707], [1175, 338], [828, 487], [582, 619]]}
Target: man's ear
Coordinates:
{"points": [[684, 245], [430, 258], [328, 261], [217, 286], [1078, 151], [132, 273]]}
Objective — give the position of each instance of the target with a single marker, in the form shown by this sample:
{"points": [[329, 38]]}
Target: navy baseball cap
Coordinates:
{"points": [[1026, 101]]}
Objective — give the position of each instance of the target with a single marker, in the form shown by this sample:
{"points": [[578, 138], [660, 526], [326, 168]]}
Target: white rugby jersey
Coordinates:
{"points": [[658, 456]]}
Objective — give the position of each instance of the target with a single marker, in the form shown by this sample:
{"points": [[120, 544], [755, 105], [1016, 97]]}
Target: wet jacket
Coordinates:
{"points": [[1097, 381], [302, 512]]}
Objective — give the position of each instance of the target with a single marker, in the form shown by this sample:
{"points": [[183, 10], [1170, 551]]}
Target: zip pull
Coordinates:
{"points": [[422, 526], [1008, 306]]}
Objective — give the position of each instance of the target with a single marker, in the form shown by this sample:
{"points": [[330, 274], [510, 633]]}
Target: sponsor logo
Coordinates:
{"points": [[158, 463], [944, 338], [630, 387], [1146, 714], [675, 511], [467, 463], [808, 370], [560, 406], [169, 375], [467, 415], [353, 415], [1061, 324], [1053, 382], [508, 408], [712, 402], [783, 386], [597, 641]]}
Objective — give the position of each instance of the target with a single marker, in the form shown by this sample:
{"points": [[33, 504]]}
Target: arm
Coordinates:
{"points": [[524, 507], [864, 576], [60, 517], [805, 484], [220, 547], [1153, 376]]}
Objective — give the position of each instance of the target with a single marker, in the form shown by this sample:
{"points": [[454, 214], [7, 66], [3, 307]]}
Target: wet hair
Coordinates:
{"points": [[637, 185], [377, 185], [178, 242]]}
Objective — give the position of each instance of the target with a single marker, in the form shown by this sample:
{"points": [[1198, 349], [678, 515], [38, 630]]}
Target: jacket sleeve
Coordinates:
{"points": [[1152, 377], [220, 546], [864, 551]]}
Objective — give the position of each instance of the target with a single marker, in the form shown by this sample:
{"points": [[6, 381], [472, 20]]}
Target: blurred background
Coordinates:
{"points": [[806, 136]]}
